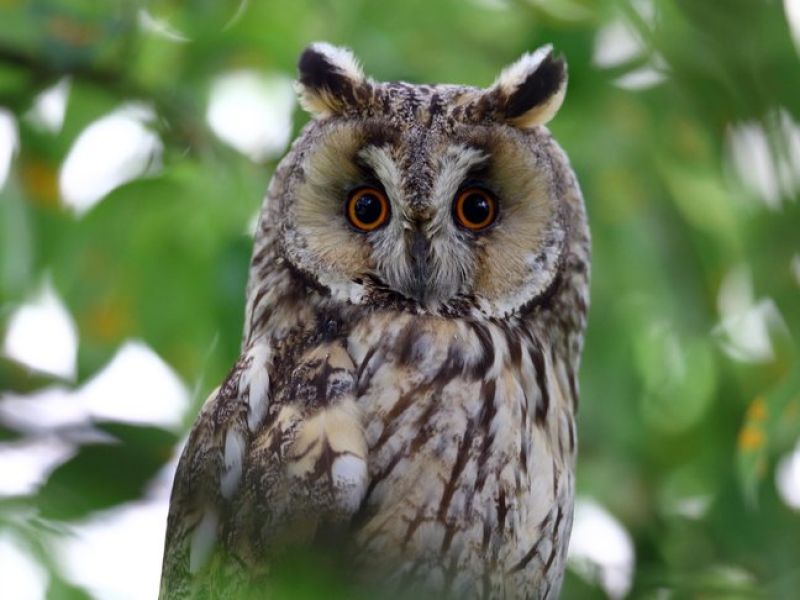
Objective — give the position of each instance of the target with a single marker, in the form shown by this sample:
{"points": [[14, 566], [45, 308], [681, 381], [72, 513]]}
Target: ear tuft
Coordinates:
{"points": [[532, 89], [329, 78]]}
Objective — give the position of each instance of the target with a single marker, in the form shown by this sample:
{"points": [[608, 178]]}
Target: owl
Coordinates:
{"points": [[404, 402]]}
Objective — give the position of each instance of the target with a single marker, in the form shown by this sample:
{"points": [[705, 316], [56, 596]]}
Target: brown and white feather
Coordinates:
{"points": [[412, 389]]}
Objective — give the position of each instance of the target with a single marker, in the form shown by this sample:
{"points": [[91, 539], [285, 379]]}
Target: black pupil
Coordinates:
{"points": [[476, 208], [368, 208]]}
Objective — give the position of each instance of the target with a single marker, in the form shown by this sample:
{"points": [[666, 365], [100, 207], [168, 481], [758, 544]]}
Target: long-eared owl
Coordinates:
{"points": [[406, 392]]}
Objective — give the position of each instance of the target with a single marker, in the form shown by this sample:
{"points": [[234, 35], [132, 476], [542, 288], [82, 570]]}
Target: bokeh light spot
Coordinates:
{"points": [[252, 112], [136, 386], [766, 156], [116, 554], [787, 478], [50, 106], [600, 549], [9, 143], [792, 10], [42, 335], [745, 323], [113, 150], [616, 44], [22, 576], [25, 464]]}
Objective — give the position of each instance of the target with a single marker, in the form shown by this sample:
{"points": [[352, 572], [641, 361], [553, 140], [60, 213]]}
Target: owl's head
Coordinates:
{"points": [[435, 198]]}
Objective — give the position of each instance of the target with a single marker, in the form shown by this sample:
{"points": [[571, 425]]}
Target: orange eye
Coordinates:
{"points": [[367, 208], [475, 208]]}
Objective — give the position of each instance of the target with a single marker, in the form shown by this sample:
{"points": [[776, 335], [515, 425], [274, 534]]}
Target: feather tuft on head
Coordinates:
{"points": [[532, 89], [330, 79]]}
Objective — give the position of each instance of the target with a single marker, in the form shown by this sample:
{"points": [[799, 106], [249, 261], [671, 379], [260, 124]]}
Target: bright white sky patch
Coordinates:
{"points": [[766, 156], [787, 478], [50, 106], [600, 549], [9, 143], [22, 576], [25, 465], [750, 153], [616, 44], [745, 323], [619, 43], [94, 557], [252, 112], [116, 554], [41, 411], [113, 150], [42, 335], [747, 333], [640, 79], [136, 387], [792, 10]]}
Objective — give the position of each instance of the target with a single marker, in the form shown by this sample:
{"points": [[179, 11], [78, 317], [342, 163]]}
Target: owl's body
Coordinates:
{"points": [[409, 388]]}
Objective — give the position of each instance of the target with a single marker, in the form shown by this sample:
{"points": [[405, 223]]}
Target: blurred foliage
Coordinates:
{"points": [[667, 415]]}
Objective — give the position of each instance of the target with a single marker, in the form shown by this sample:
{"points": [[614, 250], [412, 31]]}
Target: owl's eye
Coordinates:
{"points": [[475, 208], [367, 208]]}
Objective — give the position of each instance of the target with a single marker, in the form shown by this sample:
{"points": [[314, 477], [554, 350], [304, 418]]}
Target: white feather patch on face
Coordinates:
{"points": [[347, 290], [203, 540], [454, 166], [234, 461], [452, 257], [381, 162], [389, 243]]}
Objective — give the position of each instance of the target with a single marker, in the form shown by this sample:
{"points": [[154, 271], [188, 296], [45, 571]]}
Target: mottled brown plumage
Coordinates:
{"points": [[407, 392]]}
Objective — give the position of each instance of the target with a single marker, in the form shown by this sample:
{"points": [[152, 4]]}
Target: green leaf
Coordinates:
{"points": [[17, 377], [101, 476]]}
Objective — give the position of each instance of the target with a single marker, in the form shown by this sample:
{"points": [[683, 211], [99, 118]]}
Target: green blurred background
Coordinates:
{"points": [[139, 138]]}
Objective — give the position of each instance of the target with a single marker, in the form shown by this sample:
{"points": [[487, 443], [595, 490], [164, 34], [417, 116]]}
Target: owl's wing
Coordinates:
{"points": [[264, 468]]}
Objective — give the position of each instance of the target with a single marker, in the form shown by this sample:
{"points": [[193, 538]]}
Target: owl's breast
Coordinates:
{"points": [[471, 442]]}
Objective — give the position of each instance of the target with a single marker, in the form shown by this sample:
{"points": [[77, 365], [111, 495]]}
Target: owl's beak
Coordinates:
{"points": [[419, 251]]}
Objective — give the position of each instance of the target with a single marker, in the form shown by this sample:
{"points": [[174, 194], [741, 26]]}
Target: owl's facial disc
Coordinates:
{"points": [[439, 196], [437, 218]]}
